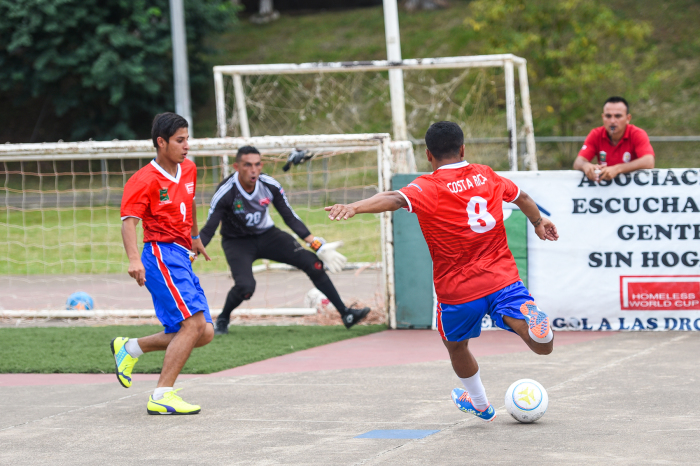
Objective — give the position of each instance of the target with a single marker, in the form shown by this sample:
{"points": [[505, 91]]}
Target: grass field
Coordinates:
{"points": [[86, 349], [358, 34], [88, 240]]}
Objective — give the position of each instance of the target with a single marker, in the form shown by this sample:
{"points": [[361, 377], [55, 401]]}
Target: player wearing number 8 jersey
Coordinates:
{"points": [[161, 195], [459, 208]]}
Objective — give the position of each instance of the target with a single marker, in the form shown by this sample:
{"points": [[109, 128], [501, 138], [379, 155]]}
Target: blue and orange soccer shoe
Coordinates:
{"points": [[171, 404], [537, 320], [123, 361], [464, 403]]}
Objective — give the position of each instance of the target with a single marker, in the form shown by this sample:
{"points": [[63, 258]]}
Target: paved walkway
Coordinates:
{"points": [[389, 348], [621, 398]]}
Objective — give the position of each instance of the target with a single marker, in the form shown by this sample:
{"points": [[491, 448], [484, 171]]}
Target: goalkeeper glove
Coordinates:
{"points": [[296, 157], [334, 260]]}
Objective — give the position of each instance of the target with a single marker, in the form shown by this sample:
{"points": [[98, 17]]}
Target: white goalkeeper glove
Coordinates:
{"points": [[334, 260]]}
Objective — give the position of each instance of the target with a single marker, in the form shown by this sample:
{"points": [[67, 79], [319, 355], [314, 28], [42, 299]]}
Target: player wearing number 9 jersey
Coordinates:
{"points": [[161, 195], [459, 209]]}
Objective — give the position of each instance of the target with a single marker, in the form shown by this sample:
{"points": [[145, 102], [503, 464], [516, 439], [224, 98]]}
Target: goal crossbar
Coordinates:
{"points": [[505, 61], [90, 150], [476, 61]]}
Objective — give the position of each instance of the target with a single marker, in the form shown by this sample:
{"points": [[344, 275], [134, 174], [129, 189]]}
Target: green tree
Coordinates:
{"points": [[96, 68], [579, 53]]}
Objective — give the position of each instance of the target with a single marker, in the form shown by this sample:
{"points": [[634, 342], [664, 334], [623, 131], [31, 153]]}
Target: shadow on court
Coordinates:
{"points": [[622, 398]]}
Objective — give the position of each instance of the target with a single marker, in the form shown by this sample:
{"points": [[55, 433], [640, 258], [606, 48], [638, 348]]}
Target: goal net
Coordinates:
{"points": [[477, 92], [60, 226]]}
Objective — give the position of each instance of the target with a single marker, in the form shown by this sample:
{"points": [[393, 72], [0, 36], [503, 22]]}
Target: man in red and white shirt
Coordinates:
{"points": [[618, 146], [161, 195], [460, 211]]}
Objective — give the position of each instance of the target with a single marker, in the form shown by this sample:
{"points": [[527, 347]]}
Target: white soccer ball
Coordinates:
{"points": [[526, 400], [315, 299]]}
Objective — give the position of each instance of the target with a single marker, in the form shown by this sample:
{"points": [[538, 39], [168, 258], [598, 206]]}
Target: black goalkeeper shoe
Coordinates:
{"points": [[353, 315], [221, 327]]}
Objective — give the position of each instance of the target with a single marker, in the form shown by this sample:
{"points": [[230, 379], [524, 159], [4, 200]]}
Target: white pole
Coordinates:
{"points": [[531, 161], [220, 104], [240, 105], [393, 51], [510, 116], [220, 120], [384, 161], [180, 71]]}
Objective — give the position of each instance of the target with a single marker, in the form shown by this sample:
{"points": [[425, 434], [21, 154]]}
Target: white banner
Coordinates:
{"points": [[627, 257]]}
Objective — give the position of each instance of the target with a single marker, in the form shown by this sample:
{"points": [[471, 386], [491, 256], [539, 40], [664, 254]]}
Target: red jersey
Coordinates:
{"points": [[162, 202], [460, 211], [633, 145]]}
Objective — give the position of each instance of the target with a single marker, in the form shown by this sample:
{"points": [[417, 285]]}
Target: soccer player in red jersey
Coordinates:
{"points": [[161, 194], [460, 211]]}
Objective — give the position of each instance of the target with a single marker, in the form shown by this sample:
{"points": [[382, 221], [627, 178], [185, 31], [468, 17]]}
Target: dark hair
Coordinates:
{"points": [[245, 150], [444, 139], [615, 100], [165, 125]]}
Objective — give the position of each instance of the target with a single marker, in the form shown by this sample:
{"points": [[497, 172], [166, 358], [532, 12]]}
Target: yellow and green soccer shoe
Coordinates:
{"points": [[123, 361], [171, 404]]}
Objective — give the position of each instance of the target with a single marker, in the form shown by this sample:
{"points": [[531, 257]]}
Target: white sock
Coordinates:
{"points": [[160, 391], [476, 391], [132, 347], [546, 339]]}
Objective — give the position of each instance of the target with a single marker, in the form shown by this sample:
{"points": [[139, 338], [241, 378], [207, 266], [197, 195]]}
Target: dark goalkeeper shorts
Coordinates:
{"points": [[273, 244]]}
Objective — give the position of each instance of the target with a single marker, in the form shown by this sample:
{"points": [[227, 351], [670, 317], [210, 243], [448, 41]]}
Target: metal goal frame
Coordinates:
{"points": [[391, 156], [507, 61]]}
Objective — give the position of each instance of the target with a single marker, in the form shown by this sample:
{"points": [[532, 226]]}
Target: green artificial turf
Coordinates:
{"points": [[88, 240], [86, 349]]}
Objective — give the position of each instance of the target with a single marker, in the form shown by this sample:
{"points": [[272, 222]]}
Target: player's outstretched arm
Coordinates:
{"points": [[136, 268], [388, 201], [197, 245], [209, 229], [544, 228]]}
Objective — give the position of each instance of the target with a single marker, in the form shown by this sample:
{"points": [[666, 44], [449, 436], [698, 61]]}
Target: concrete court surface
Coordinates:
{"points": [[615, 398], [274, 288]]}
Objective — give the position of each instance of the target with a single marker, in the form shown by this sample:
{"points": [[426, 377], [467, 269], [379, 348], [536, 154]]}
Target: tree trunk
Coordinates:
{"points": [[266, 8], [266, 13]]}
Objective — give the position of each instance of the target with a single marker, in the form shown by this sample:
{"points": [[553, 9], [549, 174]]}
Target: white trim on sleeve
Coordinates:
{"points": [[410, 207], [516, 196], [130, 216]]}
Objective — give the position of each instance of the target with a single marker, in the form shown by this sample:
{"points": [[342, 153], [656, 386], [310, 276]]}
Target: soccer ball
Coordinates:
{"points": [[526, 400], [315, 299], [80, 301]]}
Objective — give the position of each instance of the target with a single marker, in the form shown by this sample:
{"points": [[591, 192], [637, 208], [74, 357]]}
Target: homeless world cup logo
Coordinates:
{"points": [[660, 293]]}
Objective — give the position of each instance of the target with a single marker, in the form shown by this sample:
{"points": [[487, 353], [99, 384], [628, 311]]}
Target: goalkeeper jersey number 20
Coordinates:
{"points": [[460, 211]]}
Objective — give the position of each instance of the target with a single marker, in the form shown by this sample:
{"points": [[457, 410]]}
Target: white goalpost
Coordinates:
{"points": [[337, 97], [60, 223]]}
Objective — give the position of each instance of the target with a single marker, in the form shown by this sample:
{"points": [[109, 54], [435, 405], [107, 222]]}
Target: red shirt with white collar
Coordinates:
{"points": [[460, 212], [163, 202], [633, 145]]}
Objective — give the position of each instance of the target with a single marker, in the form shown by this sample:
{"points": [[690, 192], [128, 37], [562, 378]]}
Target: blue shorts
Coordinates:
{"points": [[458, 322], [174, 287]]}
